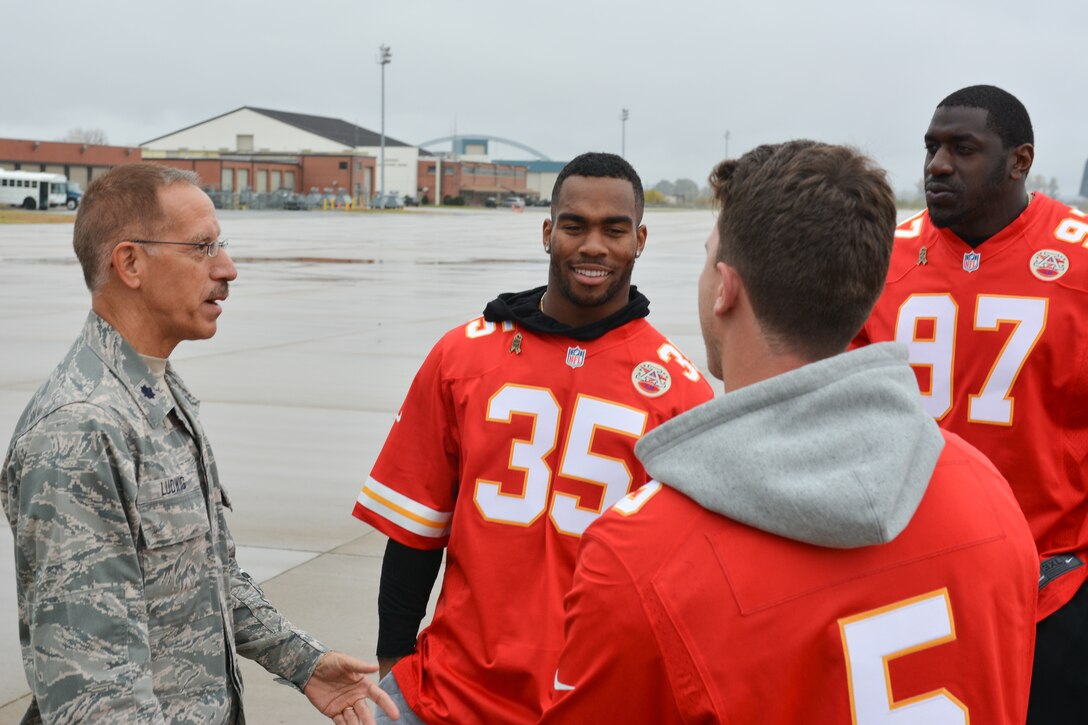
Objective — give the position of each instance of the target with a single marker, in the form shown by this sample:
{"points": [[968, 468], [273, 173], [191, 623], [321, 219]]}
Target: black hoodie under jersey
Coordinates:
{"points": [[524, 309]]}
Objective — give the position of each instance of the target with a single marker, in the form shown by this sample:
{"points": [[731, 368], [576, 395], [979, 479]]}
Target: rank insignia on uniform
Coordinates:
{"points": [[651, 379], [971, 261], [515, 346], [1049, 264], [148, 392], [576, 357], [922, 257]]}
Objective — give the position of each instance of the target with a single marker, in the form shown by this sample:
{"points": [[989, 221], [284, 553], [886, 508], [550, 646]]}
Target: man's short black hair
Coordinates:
{"points": [[1005, 114], [602, 166]]}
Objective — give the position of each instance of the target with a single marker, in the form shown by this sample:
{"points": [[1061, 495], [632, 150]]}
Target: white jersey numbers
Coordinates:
{"points": [[482, 328], [525, 456], [633, 502], [579, 462], [911, 228], [927, 324], [591, 418], [1072, 231], [993, 404], [668, 353], [871, 639]]}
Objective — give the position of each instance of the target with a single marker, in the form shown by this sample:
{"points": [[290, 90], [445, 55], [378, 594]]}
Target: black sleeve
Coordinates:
{"points": [[408, 576]]}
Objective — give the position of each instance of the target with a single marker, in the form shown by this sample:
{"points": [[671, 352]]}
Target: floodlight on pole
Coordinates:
{"points": [[385, 55], [727, 143], [623, 132]]}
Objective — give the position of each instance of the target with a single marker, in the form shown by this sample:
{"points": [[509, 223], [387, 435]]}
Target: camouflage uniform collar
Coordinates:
{"points": [[177, 385], [125, 363]]}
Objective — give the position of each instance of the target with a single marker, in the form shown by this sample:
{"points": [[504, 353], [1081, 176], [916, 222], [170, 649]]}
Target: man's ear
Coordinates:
{"points": [[547, 235], [640, 239], [1022, 158], [729, 289], [128, 261]]}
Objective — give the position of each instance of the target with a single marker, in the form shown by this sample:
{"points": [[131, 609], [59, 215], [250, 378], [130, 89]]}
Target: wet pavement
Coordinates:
{"points": [[329, 319]]}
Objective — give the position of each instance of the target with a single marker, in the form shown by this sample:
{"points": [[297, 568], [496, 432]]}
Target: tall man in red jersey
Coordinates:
{"points": [[989, 289], [817, 550], [517, 432]]}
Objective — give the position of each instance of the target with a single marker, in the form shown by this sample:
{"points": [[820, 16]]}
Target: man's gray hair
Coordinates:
{"points": [[120, 205]]}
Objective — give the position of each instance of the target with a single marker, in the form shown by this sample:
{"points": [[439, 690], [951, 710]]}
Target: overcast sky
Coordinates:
{"points": [[555, 75]]}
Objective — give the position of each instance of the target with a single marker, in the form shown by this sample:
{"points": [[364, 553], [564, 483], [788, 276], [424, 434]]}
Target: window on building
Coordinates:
{"points": [[275, 181], [262, 181], [243, 179], [226, 179], [289, 180], [244, 141], [343, 165]]}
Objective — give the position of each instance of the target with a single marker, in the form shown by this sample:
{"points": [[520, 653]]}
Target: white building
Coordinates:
{"points": [[262, 131]]}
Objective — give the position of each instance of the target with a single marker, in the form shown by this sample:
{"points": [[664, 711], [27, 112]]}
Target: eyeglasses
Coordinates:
{"points": [[209, 248]]}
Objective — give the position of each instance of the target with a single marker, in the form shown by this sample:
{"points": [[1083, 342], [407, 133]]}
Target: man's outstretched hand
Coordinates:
{"points": [[339, 688]]}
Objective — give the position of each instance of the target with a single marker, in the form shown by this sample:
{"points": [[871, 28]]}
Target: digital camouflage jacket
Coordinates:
{"points": [[132, 607]]}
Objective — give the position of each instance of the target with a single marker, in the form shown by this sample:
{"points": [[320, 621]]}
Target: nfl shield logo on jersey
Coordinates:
{"points": [[970, 261], [576, 357]]}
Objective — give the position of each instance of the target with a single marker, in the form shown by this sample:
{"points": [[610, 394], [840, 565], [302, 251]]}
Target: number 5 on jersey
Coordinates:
{"points": [[871, 639], [578, 461]]}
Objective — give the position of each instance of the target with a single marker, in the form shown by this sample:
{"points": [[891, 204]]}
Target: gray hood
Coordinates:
{"points": [[836, 453]]}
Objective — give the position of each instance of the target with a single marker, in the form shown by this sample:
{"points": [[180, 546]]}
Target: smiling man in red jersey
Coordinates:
{"points": [[517, 432], [988, 287]]}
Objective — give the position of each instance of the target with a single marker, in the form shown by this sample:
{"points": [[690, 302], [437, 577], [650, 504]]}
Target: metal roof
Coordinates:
{"points": [[334, 129]]}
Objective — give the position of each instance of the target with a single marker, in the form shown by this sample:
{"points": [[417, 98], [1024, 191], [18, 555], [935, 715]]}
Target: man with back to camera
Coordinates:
{"points": [[132, 608], [813, 548], [988, 288], [518, 430]]}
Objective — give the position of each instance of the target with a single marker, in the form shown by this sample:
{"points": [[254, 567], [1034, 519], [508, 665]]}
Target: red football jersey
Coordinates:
{"points": [[508, 445], [995, 336], [679, 615]]}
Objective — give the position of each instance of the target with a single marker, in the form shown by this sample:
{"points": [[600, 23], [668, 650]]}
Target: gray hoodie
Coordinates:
{"points": [[836, 453]]}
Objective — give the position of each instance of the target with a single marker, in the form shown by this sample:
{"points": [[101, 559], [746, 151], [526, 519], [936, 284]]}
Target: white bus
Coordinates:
{"points": [[32, 190]]}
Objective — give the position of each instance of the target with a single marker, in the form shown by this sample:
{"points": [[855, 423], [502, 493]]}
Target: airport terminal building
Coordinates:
{"points": [[262, 151]]}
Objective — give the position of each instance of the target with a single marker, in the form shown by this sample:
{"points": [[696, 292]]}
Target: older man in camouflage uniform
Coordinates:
{"points": [[132, 607]]}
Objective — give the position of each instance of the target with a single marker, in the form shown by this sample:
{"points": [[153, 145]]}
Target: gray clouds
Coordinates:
{"points": [[555, 75]]}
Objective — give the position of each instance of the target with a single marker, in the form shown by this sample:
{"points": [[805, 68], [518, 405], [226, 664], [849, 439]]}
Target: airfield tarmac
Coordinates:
{"points": [[330, 317]]}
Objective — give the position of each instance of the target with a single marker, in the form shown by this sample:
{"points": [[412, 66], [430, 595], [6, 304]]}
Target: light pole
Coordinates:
{"points": [[385, 54], [623, 132], [727, 144]]}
